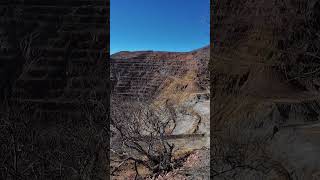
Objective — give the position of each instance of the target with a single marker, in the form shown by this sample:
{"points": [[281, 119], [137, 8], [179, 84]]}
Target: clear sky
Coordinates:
{"points": [[159, 25]]}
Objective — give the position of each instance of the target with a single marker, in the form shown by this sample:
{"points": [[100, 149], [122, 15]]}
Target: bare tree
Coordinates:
{"points": [[141, 131]]}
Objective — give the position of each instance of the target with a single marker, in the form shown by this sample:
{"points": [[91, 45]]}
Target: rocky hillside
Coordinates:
{"points": [[143, 74], [180, 79]]}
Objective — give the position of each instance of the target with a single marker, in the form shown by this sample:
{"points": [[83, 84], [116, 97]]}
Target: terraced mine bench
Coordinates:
{"points": [[132, 78]]}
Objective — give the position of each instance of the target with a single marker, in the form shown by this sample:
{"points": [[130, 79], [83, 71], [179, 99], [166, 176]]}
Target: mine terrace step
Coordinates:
{"points": [[147, 61], [136, 63]]}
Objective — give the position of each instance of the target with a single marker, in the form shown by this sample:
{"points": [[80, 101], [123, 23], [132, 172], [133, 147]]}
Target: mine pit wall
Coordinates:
{"points": [[53, 65], [143, 78]]}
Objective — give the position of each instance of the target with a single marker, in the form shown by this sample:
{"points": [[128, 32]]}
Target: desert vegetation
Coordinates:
{"points": [[139, 134]]}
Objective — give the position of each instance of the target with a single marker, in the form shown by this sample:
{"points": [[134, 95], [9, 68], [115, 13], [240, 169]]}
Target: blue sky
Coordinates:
{"points": [[159, 25]]}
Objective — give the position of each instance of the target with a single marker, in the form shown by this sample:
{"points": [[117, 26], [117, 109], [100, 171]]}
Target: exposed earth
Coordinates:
{"points": [[181, 79]]}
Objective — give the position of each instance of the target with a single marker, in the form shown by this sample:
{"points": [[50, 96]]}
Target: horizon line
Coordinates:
{"points": [[145, 50]]}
